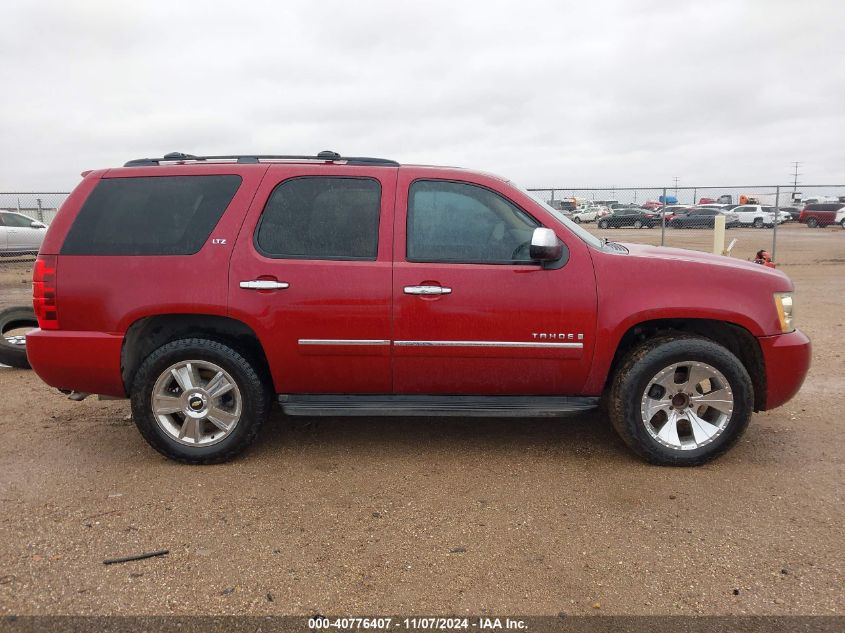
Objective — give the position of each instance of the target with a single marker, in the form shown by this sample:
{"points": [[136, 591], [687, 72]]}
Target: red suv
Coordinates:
{"points": [[820, 214], [203, 288]]}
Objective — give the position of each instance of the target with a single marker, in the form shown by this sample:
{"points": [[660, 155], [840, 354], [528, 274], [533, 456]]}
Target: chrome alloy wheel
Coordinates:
{"points": [[16, 333], [687, 405], [196, 403]]}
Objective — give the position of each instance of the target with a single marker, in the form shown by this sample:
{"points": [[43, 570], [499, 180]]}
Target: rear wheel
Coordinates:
{"points": [[842, 224], [199, 401], [758, 223], [680, 400], [812, 223], [602, 224], [638, 224], [577, 220], [14, 324]]}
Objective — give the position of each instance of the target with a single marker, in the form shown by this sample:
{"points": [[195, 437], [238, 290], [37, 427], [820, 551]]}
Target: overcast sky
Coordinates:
{"points": [[547, 93]]}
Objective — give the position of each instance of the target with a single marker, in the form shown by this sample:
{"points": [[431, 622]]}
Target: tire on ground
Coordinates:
{"points": [[255, 390], [15, 318], [632, 378]]}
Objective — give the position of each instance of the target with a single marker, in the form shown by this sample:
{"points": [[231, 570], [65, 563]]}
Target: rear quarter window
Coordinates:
{"points": [[150, 215]]}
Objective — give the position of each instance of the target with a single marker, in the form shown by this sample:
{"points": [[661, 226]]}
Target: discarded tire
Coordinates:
{"points": [[14, 324]]}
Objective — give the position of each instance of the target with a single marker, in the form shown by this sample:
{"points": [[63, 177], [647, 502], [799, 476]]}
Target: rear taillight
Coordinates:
{"points": [[44, 292]]}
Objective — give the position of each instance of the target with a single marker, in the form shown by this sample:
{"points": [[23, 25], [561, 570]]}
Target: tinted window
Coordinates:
{"points": [[321, 218], [13, 219], [459, 222], [155, 215]]}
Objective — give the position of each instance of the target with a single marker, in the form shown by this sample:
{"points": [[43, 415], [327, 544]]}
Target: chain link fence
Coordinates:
{"points": [[20, 241], [24, 218], [756, 217]]}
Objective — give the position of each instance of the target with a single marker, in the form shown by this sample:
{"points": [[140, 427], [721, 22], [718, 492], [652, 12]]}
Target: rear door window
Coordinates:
{"points": [[150, 215], [13, 219], [321, 217]]}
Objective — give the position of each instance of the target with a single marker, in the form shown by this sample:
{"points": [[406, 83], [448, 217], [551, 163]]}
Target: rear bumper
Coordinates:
{"points": [[79, 361], [787, 358]]}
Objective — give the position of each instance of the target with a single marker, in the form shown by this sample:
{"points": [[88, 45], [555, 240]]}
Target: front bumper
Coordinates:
{"points": [[787, 360], [78, 361]]}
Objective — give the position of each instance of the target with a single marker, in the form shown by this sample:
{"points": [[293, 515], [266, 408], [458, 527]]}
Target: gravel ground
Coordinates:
{"points": [[434, 515]]}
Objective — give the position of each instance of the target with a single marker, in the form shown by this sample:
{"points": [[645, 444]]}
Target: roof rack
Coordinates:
{"points": [[324, 156]]}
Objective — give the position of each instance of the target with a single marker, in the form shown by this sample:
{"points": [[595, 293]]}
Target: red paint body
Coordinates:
{"points": [[597, 294]]}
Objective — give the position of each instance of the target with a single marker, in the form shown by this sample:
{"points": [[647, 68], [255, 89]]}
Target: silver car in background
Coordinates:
{"points": [[19, 234]]}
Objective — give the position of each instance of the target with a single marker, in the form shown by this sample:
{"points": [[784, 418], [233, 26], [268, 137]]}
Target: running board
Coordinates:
{"points": [[467, 406]]}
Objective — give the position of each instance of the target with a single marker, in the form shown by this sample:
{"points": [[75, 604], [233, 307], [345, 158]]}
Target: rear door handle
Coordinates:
{"points": [[427, 290], [264, 284]]}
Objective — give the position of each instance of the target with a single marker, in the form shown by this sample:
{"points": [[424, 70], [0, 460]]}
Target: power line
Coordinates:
{"points": [[795, 175]]}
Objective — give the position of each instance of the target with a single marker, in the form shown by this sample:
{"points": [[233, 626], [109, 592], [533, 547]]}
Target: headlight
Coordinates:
{"points": [[786, 316]]}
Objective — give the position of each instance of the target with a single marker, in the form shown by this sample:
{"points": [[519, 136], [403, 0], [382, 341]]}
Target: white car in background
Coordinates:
{"points": [[758, 216], [19, 234], [589, 214]]}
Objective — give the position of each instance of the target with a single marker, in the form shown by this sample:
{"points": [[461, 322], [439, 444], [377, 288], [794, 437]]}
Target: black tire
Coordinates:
{"points": [[18, 318], [603, 224], [638, 224], [633, 376], [255, 392], [577, 220], [812, 223], [842, 224], [758, 223]]}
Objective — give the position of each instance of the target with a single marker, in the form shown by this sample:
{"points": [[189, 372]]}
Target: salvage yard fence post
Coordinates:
{"points": [[775, 227]]}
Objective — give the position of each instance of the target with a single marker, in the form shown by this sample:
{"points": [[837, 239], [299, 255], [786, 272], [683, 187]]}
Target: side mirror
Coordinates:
{"points": [[545, 246], [38, 225]]}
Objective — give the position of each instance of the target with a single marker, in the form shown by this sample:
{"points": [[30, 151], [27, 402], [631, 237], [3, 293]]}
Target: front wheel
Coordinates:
{"points": [[680, 400], [758, 223], [812, 223], [603, 224], [638, 224], [577, 220], [199, 401], [842, 224]]}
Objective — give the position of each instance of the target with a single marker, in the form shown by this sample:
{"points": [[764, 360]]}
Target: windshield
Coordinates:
{"points": [[584, 234]]}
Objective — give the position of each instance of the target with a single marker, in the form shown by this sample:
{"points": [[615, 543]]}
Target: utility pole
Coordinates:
{"points": [[795, 175], [676, 179]]}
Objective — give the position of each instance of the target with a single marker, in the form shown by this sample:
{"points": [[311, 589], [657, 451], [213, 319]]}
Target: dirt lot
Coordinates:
{"points": [[435, 515]]}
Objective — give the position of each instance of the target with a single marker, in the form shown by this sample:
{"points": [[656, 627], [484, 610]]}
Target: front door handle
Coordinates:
{"points": [[264, 284], [427, 290]]}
